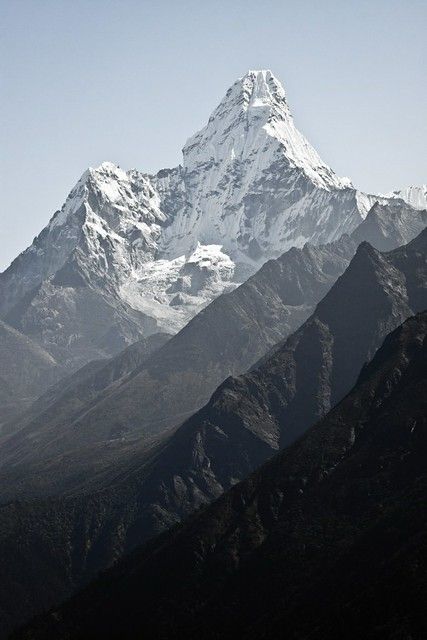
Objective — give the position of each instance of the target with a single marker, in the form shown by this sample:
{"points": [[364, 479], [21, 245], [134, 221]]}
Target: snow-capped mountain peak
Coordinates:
{"points": [[109, 186], [254, 115], [163, 246]]}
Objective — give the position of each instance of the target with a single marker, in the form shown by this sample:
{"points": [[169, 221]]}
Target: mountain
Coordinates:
{"points": [[142, 253], [327, 540], [62, 291], [130, 255], [163, 389], [26, 370], [250, 417], [247, 420], [179, 378], [390, 225], [415, 196], [253, 182]]}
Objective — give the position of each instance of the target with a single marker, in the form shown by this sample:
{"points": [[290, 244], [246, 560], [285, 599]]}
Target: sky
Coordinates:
{"points": [[83, 81]]}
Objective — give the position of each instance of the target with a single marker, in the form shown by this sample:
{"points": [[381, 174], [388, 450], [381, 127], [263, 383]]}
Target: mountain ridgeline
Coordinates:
{"points": [[327, 540], [247, 420], [131, 254], [226, 338], [213, 390]]}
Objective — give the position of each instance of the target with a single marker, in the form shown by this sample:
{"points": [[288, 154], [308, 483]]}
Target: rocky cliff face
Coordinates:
{"points": [[389, 225], [254, 184], [251, 416], [141, 253]]}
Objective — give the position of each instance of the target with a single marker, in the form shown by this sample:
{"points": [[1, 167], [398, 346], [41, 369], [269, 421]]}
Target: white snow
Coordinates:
{"points": [[257, 99], [196, 280], [251, 186], [416, 196]]}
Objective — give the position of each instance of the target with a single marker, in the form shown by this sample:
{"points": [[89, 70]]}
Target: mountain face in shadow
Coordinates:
{"points": [[250, 417], [326, 540], [226, 338], [389, 225], [247, 420], [70, 397]]}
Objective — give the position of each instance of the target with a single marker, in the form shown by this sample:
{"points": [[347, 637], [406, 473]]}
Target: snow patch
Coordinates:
{"points": [[416, 196]]}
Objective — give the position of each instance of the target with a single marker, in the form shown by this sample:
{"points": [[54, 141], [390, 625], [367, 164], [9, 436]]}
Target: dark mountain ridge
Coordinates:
{"points": [[226, 338], [76, 393], [327, 540], [246, 421]]}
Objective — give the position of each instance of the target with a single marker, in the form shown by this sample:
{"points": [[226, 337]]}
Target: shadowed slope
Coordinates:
{"points": [[327, 540], [26, 370], [246, 421]]}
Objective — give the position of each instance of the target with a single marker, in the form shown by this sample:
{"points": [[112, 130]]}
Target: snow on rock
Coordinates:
{"points": [[173, 291], [251, 186], [254, 184], [413, 195], [255, 115]]}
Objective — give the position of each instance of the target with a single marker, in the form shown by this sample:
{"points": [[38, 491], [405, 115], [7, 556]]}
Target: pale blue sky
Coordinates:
{"points": [[84, 81]]}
